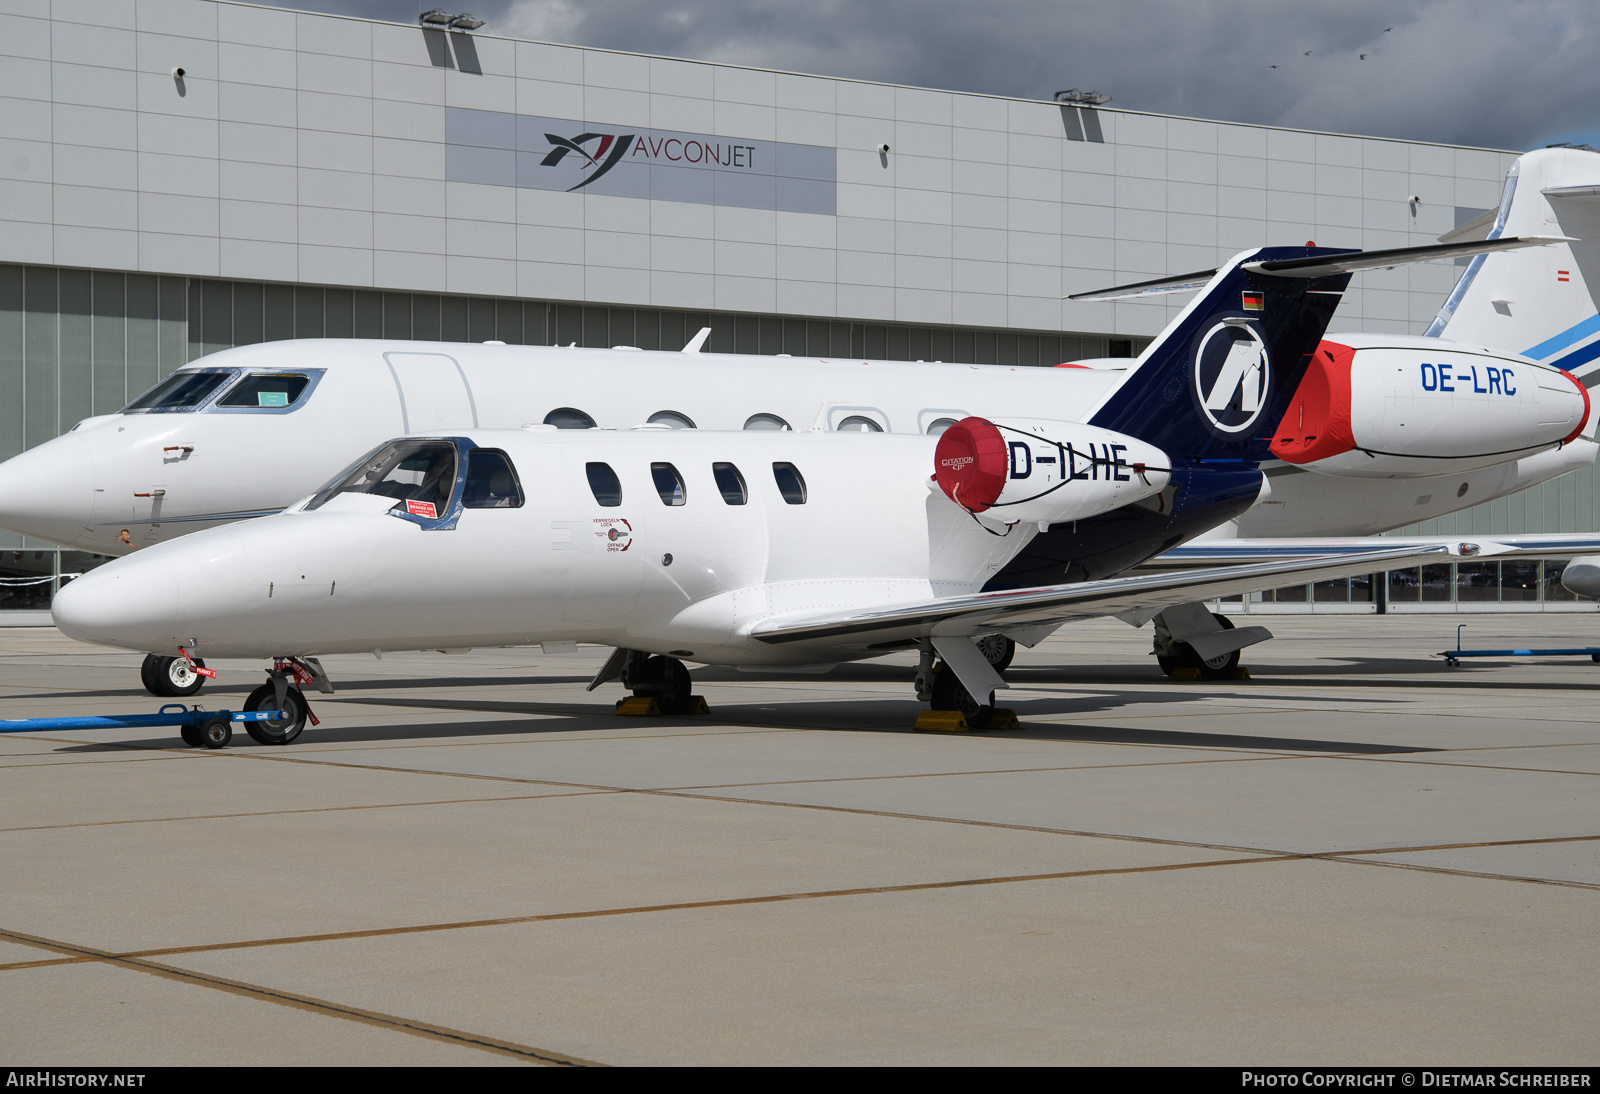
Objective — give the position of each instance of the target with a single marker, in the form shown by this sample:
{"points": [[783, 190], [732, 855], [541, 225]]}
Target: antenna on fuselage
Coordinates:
{"points": [[698, 341]]}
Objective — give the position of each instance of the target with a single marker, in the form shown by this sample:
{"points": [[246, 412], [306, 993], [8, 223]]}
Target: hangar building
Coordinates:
{"points": [[181, 176]]}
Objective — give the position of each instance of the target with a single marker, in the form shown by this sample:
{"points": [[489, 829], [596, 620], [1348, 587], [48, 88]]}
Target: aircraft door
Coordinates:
{"points": [[434, 394]]}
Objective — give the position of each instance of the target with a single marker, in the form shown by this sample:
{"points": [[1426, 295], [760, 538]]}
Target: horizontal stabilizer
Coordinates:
{"points": [[1322, 266], [1181, 283], [1328, 265]]}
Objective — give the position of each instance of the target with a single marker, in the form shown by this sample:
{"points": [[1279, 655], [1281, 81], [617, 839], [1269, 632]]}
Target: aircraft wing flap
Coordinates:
{"points": [[980, 613]]}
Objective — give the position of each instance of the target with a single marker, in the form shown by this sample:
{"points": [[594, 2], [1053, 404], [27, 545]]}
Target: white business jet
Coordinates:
{"points": [[715, 547], [742, 548]]}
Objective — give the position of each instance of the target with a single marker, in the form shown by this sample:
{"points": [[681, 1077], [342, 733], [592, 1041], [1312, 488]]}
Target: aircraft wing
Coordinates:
{"points": [[1052, 605], [1239, 552]]}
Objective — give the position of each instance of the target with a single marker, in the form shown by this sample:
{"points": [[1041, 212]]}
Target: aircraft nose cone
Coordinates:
{"points": [[130, 603], [48, 492]]}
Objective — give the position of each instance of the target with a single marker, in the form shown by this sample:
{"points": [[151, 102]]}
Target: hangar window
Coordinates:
{"points": [[671, 419], [419, 475], [765, 421], [491, 481], [669, 484], [564, 417], [180, 391], [266, 391], [731, 483], [604, 484], [790, 484], [859, 423]]}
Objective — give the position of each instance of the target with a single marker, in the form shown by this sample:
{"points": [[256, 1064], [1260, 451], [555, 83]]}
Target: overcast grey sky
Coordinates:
{"points": [[1495, 73]]}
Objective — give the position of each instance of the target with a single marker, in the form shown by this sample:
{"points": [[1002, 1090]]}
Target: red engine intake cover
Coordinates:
{"points": [[970, 463], [1583, 421], [1317, 423]]}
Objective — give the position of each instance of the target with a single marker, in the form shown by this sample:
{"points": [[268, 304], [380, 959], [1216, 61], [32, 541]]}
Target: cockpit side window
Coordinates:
{"points": [[266, 391], [419, 475], [491, 481], [181, 391]]}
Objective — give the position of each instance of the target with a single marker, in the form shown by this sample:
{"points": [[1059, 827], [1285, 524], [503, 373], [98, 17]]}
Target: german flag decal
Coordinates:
{"points": [[1255, 301]]}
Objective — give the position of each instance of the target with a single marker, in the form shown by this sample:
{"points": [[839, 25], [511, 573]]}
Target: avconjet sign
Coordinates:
{"points": [[536, 153]]}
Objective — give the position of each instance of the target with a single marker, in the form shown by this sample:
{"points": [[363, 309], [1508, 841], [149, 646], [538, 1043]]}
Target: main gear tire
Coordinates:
{"points": [[950, 694], [998, 650], [667, 680]]}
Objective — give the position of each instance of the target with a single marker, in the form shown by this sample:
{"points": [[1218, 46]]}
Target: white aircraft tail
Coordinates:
{"points": [[1540, 302]]}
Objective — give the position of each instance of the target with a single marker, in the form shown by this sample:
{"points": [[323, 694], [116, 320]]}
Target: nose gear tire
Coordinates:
{"points": [[276, 731]]}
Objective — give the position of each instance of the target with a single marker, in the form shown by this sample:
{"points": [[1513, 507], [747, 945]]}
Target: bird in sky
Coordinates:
{"points": [[1363, 56]]}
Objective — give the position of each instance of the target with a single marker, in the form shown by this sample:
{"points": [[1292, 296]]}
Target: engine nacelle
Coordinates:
{"points": [[1045, 472], [1372, 406]]}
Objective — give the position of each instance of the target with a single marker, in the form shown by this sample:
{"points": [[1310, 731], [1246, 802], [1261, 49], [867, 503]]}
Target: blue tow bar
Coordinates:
{"points": [[212, 728], [1453, 657]]}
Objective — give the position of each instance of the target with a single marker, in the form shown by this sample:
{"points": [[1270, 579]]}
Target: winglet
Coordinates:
{"points": [[698, 341]]}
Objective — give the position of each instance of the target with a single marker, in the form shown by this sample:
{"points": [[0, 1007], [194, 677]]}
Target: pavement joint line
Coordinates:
{"points": [[670, 793], [984, 771], [644, 909], [1346, 857], [1561, 882], [1480, 767], [1465, 846], [323, 1007], [294, 812]]}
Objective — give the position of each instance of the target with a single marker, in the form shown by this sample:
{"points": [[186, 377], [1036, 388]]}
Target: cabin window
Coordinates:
{"points": [[419, 475], [731, 483], [604, 484], [790, 483], [939, 425], [859, 423], [565, 417], [266, 391], [180, 391], [669, 484], [491, 481], [765, 421], [671, 419]]}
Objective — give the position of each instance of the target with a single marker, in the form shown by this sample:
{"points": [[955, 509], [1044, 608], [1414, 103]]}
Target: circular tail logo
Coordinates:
{"points": [[1231, 376]]}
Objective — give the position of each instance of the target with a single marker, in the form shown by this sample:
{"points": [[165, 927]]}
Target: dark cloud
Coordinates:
{"points": [[1477, 72]]}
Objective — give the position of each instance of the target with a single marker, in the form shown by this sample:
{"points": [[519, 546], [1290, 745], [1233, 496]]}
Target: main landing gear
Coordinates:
{"points": [[660, 684], [171, 677], [938, 685], [1172, 655]]}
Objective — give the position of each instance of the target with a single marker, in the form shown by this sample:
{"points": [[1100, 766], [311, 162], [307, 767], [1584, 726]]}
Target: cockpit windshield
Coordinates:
{"points": [[180, 391], [419, 475], [266, 390]]}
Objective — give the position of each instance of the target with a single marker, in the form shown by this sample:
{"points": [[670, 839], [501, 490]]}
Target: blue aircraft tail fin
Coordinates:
{"points": [[1214, 385]]}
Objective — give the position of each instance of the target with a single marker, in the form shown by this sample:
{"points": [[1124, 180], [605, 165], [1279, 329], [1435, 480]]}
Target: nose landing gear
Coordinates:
{"points": [[283, 692]]}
